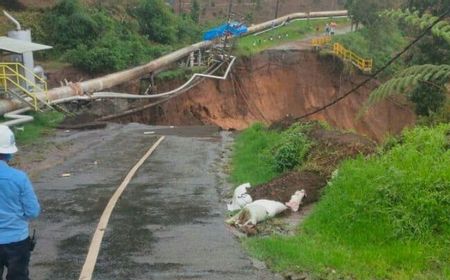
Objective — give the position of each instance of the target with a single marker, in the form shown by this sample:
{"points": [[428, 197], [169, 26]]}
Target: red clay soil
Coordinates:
{"points": [[269, 86]]}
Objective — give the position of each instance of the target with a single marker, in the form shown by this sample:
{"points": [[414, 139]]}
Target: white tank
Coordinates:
{"points": [[28, 61]]}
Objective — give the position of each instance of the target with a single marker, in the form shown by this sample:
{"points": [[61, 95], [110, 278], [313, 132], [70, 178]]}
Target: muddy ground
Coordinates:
{"points": [[329, 148], [169, 224]]}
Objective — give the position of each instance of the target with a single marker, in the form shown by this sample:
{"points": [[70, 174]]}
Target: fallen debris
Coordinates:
{"points": [[240, 198], [296, 200], [256, 212]]}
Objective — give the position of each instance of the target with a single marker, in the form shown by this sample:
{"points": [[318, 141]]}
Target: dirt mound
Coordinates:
{"points": [[281, 189], [330, 148]]}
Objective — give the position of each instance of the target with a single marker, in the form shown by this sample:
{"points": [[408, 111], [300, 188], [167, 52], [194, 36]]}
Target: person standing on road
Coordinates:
{"points": [[327, 29], [333, 26], [18, 205]]}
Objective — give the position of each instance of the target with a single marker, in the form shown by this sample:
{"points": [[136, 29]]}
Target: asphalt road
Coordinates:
{"points": [[169, 223]]}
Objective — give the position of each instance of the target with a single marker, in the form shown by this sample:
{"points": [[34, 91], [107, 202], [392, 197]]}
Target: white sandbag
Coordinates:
{"points": [[253, 214], [272, 207], [296, 200], [240, 198], [256, 212]]}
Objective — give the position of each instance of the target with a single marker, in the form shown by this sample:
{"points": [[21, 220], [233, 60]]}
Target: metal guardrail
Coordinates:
{"points": [[12, 77], [321, 41], [364, 65]]}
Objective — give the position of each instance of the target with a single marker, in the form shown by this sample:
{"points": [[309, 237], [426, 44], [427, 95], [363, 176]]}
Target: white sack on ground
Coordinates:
{"points": [[256, 212], [240, 198], [272, 207], [296, 200]]}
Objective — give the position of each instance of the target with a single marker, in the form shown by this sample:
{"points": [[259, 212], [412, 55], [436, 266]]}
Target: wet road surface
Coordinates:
{"points": [[168, 224]]}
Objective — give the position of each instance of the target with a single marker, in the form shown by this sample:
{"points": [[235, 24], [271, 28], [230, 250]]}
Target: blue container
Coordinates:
{"points": [[233, 28]]}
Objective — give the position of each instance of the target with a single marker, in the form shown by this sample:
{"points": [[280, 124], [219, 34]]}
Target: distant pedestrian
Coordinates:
{"points": [[333, 26], [327, 29]]}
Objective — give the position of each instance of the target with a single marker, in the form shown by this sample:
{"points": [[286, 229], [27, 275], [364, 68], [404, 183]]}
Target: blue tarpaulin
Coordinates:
{"points": [[232, 28]]}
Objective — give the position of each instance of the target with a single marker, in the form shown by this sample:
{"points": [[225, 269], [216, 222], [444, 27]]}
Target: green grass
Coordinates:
{"points": [[295, 30], [44, 123], [261, 154], [379, 42], [251, 160], [386, 217]]}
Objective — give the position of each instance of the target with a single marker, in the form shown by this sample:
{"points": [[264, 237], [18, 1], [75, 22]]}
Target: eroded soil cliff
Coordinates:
{"points": [[269, 86]]}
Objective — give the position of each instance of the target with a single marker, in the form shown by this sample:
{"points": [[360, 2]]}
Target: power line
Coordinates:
{"points": [[373, 76]]}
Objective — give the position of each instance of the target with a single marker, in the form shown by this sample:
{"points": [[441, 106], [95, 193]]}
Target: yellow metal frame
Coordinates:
{"points": [[11, 77], [363, 64], [320, 41]]}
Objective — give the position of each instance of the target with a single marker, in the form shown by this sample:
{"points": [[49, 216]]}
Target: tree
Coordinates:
{"points": [[70, 24], [435, 7], [195, 11], [366, 11], [157, 21]]}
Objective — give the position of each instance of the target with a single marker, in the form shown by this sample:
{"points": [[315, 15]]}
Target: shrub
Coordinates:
{"points": [[157, 21], [69, 24], [403, 194], [292, 150], [428, 99], [261, 154], [111, 53], [384, 217]]}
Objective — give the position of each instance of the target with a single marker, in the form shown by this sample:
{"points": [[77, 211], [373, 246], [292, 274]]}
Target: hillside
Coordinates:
{"points": [[211, 10]]}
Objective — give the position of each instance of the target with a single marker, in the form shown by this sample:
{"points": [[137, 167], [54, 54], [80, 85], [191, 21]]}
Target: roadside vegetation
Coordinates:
{"points": [[293, 31], [261, 154], [383, 217], [43, 124], [378, 42]]}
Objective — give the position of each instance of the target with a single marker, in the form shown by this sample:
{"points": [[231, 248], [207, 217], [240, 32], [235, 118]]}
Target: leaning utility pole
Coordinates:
{"points": [[276, 8], [230, 7]]}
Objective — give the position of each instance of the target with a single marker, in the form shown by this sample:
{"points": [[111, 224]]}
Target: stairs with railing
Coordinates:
{"points": [[15, 84]]}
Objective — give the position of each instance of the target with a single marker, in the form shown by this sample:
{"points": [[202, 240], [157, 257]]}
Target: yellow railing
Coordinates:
{"points": [[13, 76], [320, 41], [363, 64]]}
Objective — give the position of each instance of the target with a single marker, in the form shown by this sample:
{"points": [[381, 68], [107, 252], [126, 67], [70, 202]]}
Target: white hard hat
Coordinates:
{"points": [[7, 140]]}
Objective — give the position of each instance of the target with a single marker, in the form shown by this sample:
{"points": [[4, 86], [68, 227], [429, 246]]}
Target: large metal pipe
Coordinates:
{"points": [[121, 77]]}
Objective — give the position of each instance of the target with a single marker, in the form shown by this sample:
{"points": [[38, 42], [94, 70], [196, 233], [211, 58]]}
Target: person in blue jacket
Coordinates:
{"points": [[18, 205]]}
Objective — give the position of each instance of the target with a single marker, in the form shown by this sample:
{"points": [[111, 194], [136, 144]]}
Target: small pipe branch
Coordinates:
{"points": [[18, 27]]}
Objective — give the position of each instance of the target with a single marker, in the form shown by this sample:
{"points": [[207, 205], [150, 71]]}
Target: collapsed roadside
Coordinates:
{"points": [[382, 214]]}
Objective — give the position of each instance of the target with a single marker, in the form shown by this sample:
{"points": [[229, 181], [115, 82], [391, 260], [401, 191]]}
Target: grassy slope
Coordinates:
{"points": [[261, 154], [251, 161], [295, 30], [385, 217], [44, 123]]}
